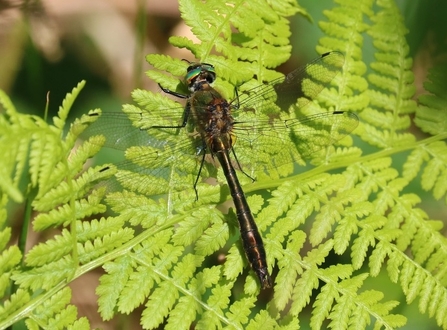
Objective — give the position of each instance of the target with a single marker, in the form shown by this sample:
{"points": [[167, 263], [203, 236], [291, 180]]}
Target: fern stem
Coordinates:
{"points": [[328, 167], [27, 309], [140, 36]]}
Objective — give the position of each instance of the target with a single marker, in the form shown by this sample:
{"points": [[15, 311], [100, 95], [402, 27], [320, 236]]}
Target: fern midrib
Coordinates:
{"points": [[31, 306], [328, 167], [224, 22], [24, 312], [191, 294]]}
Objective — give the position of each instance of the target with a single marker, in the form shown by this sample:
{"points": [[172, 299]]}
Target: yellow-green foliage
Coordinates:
{"points": [[329, 232]]}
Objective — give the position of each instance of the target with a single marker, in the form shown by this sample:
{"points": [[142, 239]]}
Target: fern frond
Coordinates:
{"points": [[15, 149], [103, 244], [112, 284], [12, 305], [9, 259], [46, 276], [329, 213], [234, 263], [247, 18], [212, 239], [190, 230], [266, 321], [431, 116], [343, 32], [56, 313], [160, 254], [63, 214], [286, 278], [238, 312], [40, 151], [435, 171], [159, 305], [392, 80], [261, 32], [60, 121], [50, 251]]}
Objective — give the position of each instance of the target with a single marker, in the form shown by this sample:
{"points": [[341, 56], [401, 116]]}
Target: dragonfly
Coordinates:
{"points": [[263, 123]]}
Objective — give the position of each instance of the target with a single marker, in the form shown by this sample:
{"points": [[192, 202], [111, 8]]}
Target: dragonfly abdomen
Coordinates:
{"points": [[251, 239]]}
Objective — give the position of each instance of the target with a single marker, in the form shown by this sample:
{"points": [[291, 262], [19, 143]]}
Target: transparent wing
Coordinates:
{"points": [[159, 158], [302, 85], [261, 131], [264, 146]]}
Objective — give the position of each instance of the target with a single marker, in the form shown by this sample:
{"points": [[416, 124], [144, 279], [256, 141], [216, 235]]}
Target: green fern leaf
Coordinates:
{"points": [[348, 225], [190, 230], [238, 312], [262, 320], [341, 313], [414, 163], [15, 153], [328, 214], [89, 230], [80, 324], [43, 155], [212, 239], [55, 313], [112, 284], [64, 214], [365, 239], [431, 117], [160, 303], [219, 298], [15, 302], [137, 209], [68, 101], [183, 313], [9, 259], [302, 292], [234, 263], [290, 268], [162, 249], [50, 251], [63, 318], [322, 306], [435, 171], [46, 276], [138, 287], [54, 304], [100, 246]]}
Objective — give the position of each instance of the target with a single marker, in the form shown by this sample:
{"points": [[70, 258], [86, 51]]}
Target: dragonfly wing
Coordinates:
{"points": [[158, 170], [319, 131], [157, 159], [268, 141], [265, 145], [132, 126], [302, 85]]}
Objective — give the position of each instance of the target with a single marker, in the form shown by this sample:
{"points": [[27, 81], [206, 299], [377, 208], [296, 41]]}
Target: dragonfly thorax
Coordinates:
{"points": [[213, 119]]}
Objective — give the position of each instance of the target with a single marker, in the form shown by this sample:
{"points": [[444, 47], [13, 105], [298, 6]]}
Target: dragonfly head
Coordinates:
{"points": [[199, 74]]}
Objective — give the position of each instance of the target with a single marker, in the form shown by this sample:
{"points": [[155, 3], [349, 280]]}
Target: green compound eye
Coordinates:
{"points": [[195, 69]]}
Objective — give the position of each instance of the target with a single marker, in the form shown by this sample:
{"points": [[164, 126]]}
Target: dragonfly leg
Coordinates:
{"points": [[184, 120], [200, 170], [168, 91], [240, 167], [236, 92]]}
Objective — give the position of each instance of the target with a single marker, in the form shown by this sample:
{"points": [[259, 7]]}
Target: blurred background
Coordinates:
{"points": [[48, 46]]}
